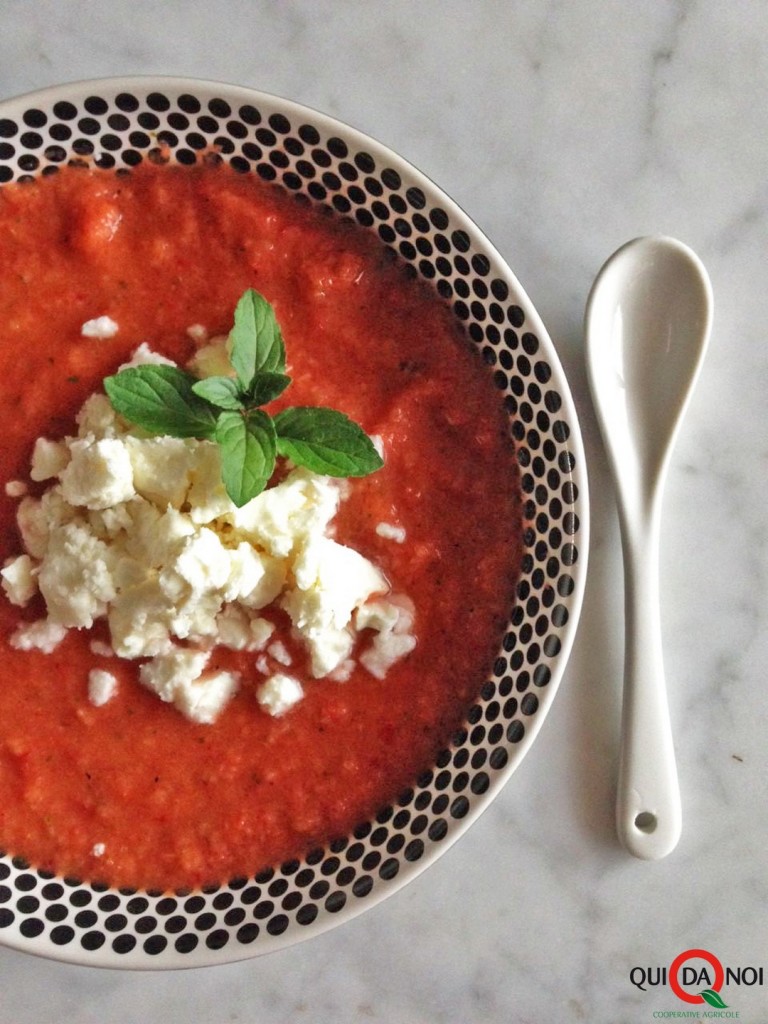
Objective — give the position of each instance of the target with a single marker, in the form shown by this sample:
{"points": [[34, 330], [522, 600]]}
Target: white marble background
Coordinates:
{"points": [[564, 127]]}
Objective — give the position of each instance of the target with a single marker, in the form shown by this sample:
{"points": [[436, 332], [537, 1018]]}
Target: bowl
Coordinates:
{"points": [[118, 123]]}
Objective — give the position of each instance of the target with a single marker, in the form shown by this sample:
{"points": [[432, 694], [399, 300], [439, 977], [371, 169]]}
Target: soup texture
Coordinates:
{"points": [[132, 793]]}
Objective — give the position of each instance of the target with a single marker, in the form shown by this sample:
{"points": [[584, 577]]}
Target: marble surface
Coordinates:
{"points": [[564, 129]]}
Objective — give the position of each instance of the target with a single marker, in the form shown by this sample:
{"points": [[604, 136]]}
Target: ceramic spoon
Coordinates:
{"points": [[647, 325]]}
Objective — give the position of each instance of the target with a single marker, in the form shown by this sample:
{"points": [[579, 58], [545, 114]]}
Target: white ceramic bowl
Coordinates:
{"points": [[117, 123]]}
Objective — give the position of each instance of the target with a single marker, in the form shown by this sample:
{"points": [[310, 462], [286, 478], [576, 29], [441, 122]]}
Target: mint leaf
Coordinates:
{"points": [[223, 392], [265, 386], [248, 453], [256, 343], [160, 399], [325, 441], [164, 399]]}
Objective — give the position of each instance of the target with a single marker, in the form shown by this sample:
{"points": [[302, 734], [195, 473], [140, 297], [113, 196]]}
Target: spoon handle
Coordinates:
{"points": [[648, 812]]}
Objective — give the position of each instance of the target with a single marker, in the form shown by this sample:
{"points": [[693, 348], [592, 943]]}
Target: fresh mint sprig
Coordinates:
{"points": [[164, 399]]}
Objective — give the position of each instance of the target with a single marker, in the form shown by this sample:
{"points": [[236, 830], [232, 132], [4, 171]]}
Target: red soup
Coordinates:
{"points": [[132, 793]]}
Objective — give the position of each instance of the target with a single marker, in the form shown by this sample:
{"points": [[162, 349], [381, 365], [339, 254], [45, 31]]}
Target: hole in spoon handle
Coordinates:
{"points": [[647, 822], [648, 835], [648, 811]]}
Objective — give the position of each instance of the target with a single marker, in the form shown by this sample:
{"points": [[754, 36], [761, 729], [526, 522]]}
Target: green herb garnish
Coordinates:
{"points": [[227, 410]]}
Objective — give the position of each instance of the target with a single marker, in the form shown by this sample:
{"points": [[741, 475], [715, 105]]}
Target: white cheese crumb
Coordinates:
{"points": [[203, 699], [233, 629], [279, 693], [101, 327], [197, 332], [34, 526], [98, 475], [211, 360], [178, 677], [261, 631], [97, 418], [145, 356], [75, 577], [379, 615], [386, 649], [19, 580], [331, 581], [42, 635], [343, 672], [391, 532], [49, 458], [16, 488], [99, 849], [165, 672], [102, 686], [280, 653], [392, 620]]}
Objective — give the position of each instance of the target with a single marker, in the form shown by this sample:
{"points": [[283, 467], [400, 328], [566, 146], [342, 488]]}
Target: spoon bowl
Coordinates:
{"points": [[648, 322]]}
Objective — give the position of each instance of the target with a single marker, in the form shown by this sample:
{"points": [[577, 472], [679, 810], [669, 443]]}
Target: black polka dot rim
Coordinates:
{"points": [[117, 124]]}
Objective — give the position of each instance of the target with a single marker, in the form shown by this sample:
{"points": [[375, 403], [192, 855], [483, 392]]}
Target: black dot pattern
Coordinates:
{"points": [[117, 125]]}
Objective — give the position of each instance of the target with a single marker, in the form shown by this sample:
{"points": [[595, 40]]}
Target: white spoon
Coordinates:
{"points": [[647, 325]]}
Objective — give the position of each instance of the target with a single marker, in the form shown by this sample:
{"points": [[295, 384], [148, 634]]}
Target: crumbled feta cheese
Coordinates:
{"points": [[178, 677], [197, 332], [138, 620], [99, 473], [49, 458], [97, 418], [75, 577], [19, 581], [391, 532], [331, 581], [343, 672], [283, 517], [236, 630], [102, 327], [261, 631], [279, 693], [139, 531], [203, 561], [386, 649], [203, 699], [392, 620], [233, 628], [42, 635], [165, 672], [280, 653], [206, 497], [99, 849], [212, 360], [379, 615], [102, 686], [160, 468], [16, 488], [32, 521], [145, 356]]}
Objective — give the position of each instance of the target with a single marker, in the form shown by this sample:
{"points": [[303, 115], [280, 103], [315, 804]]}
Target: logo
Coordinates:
{"points": [[680, 967], [697, 977]]}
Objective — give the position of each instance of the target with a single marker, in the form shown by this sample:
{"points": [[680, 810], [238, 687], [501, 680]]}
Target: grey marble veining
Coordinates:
{"points": [[563, 129]]}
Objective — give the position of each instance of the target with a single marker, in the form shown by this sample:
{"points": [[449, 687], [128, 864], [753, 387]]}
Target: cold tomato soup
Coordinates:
{"points": [[131, 793]]}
